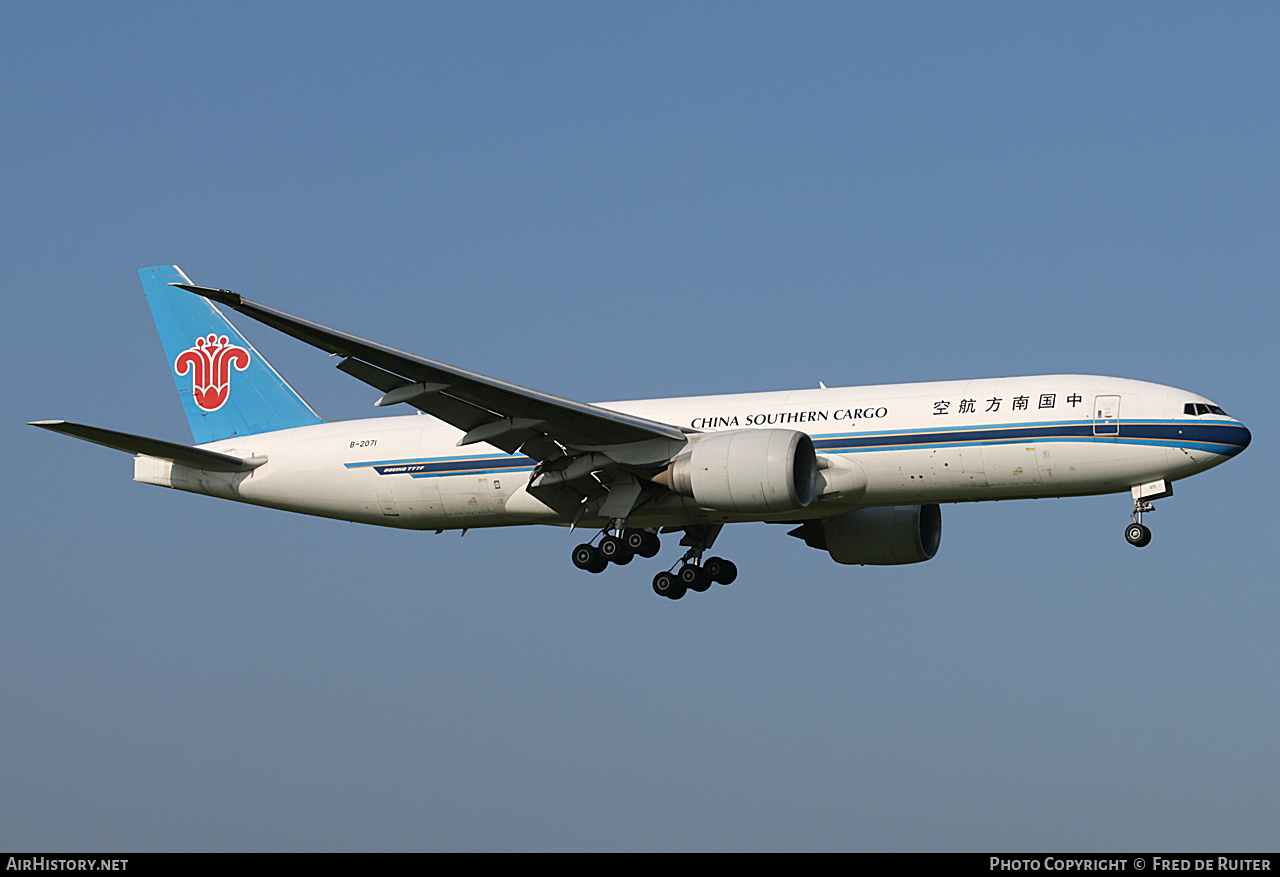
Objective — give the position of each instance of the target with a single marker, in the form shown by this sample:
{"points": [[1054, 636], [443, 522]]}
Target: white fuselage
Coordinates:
{"points": [[952, 441]]}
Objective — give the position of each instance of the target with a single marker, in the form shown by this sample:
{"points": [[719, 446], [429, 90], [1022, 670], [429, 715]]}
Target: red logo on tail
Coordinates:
{"points": [[210, 364]]}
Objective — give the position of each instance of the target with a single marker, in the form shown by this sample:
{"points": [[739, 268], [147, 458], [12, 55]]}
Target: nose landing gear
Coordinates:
{"points": [[1137, 533]]}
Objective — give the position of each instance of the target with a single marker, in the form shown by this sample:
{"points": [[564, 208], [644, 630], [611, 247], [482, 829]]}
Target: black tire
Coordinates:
{"points": [[650, 544], [667, 585], [614, 550], [721, 571], [588, 557], [1138, 535], [694, 578]]}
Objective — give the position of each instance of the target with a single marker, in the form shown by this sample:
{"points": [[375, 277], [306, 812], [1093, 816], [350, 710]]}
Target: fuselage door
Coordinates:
{"points": [[1106, 415], [467, 495], [387, 500]]}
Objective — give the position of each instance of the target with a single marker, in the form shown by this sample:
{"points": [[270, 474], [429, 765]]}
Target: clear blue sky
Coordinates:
{"points": [[660, 200]]}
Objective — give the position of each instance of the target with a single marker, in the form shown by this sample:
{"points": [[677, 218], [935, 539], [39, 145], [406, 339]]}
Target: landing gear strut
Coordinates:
{"points": [[1138, 533]]}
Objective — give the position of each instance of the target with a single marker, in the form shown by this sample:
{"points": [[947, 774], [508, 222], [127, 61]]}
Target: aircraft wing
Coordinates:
{"points": [[489, 410]]}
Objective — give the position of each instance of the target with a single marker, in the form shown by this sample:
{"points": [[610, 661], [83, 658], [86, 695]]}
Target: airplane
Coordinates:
{"points": [[859, 472]]}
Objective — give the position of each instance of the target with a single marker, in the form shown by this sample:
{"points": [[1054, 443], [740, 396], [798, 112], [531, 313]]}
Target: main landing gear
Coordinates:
{"points": [[690, 573], [619, 549], [692, 576]]}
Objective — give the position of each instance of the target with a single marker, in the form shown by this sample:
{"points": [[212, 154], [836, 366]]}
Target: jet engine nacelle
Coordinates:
{"points": [[749, 470], [877, 536]]}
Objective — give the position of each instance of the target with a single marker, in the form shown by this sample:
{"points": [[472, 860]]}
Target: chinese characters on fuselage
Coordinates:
{"points": [[1018, 403]]}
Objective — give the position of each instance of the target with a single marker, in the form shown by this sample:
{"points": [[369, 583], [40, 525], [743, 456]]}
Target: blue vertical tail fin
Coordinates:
{"points": [[227, 388]]}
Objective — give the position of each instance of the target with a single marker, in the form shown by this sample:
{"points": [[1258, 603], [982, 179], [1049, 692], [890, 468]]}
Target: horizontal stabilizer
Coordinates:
{"points": [[197, 458]]}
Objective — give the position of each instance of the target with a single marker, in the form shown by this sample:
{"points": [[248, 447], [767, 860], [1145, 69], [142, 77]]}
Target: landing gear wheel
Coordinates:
{"points": [[642, 542], [614, 550], [1139, 535], [694, 578], [589, 558], [667, 585], [652, 545], [720, 570]]}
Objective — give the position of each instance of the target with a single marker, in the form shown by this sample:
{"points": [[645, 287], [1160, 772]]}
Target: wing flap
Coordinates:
{"points": [[455, 412]]}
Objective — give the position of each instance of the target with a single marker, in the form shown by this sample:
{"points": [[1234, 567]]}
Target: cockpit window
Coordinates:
{"points": [[1198, 408]]}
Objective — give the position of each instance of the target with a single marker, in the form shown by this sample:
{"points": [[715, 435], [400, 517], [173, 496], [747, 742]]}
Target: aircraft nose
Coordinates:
{"points": [[1248, 436]]}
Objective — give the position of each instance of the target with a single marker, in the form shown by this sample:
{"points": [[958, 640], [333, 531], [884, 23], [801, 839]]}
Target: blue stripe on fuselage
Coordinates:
{"points": [[438, 466], [1227, 439], [1218, 438]]}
